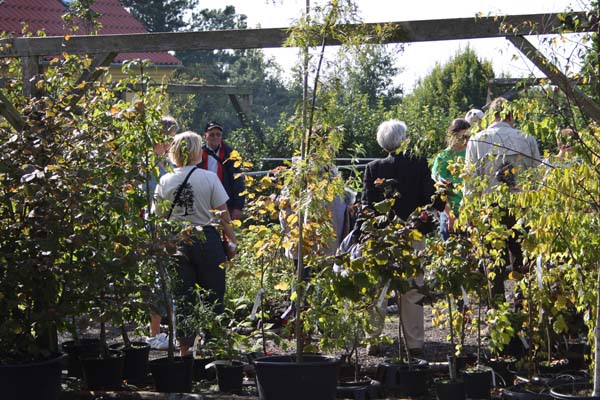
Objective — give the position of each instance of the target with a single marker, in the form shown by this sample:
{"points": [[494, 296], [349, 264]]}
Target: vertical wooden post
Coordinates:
{"points": [[31, 68]]}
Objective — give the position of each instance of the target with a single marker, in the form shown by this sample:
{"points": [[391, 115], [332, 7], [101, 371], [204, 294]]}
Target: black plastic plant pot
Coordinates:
{"points": [[230, 377], [86, 347], [554, 367], [478, 382], [397, 379], [357, 390], [573, 391], [36, 380], [136, 360], [526, 392], [200, 373], [504, 367], [172, 376], [576, 355], [449, 390], [465, 361], [103, 373], [282, 377]]}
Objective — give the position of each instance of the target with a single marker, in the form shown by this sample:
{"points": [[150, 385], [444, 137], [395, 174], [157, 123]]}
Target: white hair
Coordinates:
{"points": [[391, 134]]}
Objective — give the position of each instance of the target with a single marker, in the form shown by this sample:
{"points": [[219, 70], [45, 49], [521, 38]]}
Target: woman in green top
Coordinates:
{"points": [[457, 143]]}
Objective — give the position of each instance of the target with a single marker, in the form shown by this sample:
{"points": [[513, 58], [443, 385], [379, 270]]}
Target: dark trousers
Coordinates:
{"points": [[513, 248], [199, 264]]}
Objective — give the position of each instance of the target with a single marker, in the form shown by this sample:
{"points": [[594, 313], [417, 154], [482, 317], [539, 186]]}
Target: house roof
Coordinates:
{"points": [[46, 15]]}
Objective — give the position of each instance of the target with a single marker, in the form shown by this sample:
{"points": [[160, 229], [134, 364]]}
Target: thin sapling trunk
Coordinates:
{"points": [[401, 335], [597, 342]]}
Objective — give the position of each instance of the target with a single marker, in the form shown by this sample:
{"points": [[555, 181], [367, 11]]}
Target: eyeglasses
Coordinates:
{"points": [[214, 134]]}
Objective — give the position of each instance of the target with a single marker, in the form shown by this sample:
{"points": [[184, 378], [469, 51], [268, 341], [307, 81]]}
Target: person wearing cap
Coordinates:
{"points": [[215, 158], [458, 135]]}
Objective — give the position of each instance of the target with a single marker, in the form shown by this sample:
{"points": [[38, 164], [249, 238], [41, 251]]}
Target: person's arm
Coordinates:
{"points": [[227, 225], [428, 195], [368, 193]]}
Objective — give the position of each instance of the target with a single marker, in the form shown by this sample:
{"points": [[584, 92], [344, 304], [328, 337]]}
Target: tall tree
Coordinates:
{"points": [[457, 85], [161, 15]]}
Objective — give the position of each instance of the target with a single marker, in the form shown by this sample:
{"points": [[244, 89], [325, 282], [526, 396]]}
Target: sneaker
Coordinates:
{"points": [[159, 342]]}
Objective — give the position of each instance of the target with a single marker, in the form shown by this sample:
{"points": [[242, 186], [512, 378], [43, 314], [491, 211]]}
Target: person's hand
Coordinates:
{"points": [[450, 222], [236, 214], [231, 250]]}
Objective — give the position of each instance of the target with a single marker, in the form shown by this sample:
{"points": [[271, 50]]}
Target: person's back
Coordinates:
{"points": [[501, 151]]}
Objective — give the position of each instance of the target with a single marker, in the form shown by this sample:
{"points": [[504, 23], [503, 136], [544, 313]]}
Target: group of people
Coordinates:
{"points": [[202, 180], [499, 147]]}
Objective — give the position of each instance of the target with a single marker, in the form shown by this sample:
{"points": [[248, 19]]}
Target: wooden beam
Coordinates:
{"points": [[398, 32], [242, 113], [190, 88], [10, 113], [583, 101], [94, 72]]}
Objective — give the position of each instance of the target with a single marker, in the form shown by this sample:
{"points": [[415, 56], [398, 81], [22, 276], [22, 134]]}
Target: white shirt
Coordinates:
{"points": [[499, 144], [202, 193]]}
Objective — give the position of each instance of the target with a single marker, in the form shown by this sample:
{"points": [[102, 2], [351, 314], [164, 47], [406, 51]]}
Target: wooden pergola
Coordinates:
{"points": [[104, 48]]}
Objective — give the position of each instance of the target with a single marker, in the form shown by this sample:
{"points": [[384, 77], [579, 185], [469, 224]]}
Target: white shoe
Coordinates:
{"points": [[159, 342]]}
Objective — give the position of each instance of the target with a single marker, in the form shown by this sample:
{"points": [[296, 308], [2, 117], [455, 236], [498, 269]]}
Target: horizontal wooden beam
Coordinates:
{"points": [[191, 88], [397, 32]]}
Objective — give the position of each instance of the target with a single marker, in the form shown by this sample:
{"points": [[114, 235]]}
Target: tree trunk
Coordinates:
{"points": [[597, 342]]}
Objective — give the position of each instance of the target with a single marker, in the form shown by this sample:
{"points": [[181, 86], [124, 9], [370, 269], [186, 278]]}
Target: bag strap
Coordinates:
{"points": [[179, 190]]}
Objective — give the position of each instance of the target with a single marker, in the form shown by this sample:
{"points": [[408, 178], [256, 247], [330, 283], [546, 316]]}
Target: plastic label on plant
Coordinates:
{"points": [[256, 303]]}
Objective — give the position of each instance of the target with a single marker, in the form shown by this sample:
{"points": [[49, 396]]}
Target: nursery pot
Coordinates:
{"points": [[200, 373], [136, 360], [103, 373], [400, 380], [554, 367], [465, 361], [576, 355], [86, 347], [281, 377], [230, 376], [526, 391], [573, 391], [357, 390], [35, 380], [172, 376], [449, 390], [478, 382], [503, 367]]}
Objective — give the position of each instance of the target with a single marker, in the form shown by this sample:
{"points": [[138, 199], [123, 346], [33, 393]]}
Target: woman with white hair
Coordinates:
{"points": [[411, 178], [192, 195]]}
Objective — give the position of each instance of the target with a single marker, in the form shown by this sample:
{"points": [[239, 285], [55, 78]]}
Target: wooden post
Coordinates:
{"points": [[31, 68]]}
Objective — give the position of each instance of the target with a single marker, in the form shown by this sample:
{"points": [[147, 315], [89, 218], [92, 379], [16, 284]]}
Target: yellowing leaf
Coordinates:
{"points": [[283, 286]]}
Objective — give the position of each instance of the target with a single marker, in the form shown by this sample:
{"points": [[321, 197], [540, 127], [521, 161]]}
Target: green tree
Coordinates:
{"points": [[161, 15], [455, 86]]}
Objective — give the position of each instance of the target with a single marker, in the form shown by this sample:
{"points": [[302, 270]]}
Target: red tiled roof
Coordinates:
{"points": [[46, 15]]}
